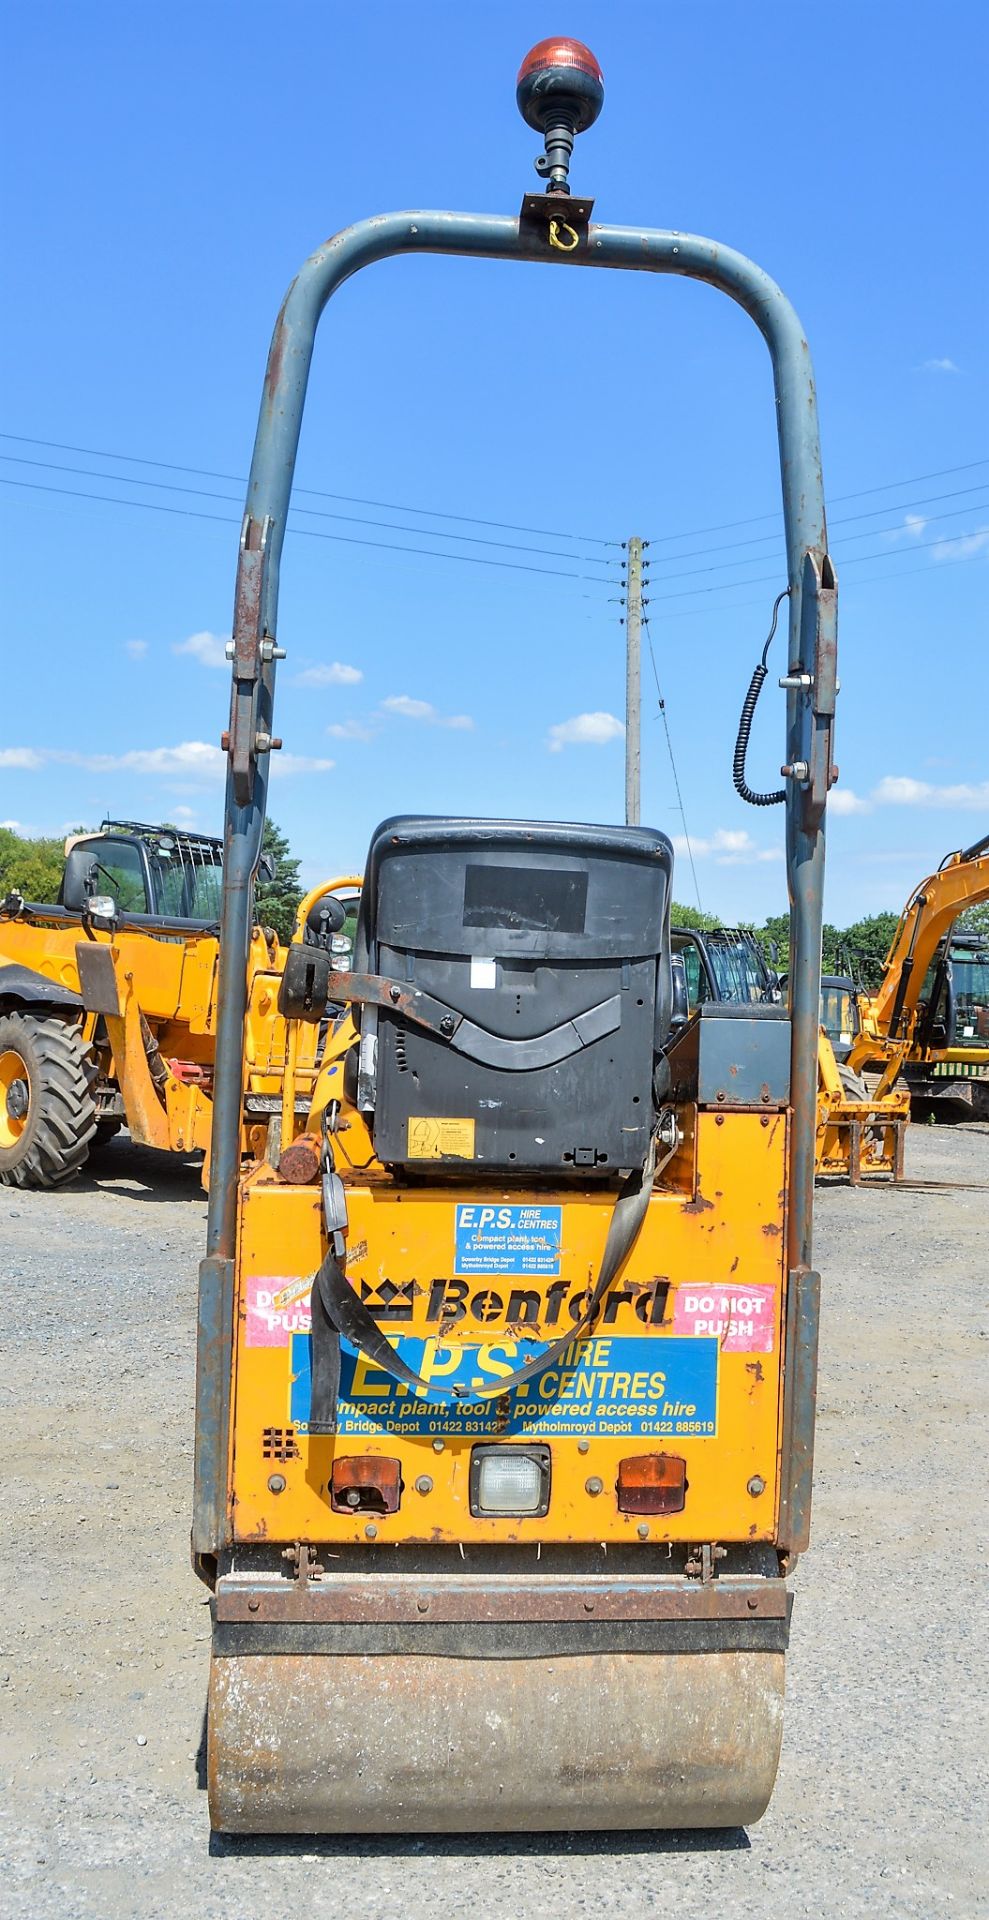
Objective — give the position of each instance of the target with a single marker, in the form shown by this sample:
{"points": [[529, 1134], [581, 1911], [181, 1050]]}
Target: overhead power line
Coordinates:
{"points": [[857, 560], [357, 520], [673, 765], [868, 580], [549, 553], [725, 566], [315, 493], [507, 526], [843, 520], [582, 562], [837, 500], [466, 559], [308, 533]]}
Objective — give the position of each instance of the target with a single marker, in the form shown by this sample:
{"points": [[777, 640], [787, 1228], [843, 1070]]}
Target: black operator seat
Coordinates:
{"points": [[550, 945]]}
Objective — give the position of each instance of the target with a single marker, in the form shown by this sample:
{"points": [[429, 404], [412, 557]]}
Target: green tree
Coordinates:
{"points": [[30, 867], [693, 917], [831, 946], [276, 899], [774, 934], [867, 942], [975, 919]]}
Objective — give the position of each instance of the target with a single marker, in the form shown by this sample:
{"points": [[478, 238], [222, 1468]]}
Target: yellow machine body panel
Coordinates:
{"points": [[150, 1005], [684, 1353]]}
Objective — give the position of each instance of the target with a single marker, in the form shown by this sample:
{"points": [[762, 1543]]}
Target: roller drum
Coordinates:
{"points": [[310, 1743]]}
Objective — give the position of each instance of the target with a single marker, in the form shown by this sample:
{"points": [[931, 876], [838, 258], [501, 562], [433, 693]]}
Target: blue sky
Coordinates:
{"points": [[175, 165]]}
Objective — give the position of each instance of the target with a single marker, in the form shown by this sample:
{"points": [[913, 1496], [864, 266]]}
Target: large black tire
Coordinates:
{"points": [[47, 1111], [853, 1085]]}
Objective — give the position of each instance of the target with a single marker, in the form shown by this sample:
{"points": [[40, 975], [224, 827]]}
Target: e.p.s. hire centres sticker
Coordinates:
{"points": [[508, 1240], [602, 1385]]}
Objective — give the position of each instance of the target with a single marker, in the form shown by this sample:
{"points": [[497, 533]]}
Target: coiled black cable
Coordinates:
{"points": [[745, 723]]}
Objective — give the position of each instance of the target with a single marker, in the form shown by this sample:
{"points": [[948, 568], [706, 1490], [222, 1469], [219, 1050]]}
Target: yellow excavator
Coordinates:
{"points": [[506, 1365], [926, 1028], [108, 1005]]}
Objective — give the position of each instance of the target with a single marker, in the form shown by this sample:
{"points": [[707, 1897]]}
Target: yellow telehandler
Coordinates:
{"points": [[506, 1366], [108, 1005]]}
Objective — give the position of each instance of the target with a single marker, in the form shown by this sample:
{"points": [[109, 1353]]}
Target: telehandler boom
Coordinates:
{"points": [[505, 1401]]}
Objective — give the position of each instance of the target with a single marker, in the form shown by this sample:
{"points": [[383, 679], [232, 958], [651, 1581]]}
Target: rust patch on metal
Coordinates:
{"points": [[299, 1164], [276, 358]]}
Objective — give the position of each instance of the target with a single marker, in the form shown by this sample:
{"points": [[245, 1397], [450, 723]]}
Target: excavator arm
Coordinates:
{"points": [[889, 1018]]}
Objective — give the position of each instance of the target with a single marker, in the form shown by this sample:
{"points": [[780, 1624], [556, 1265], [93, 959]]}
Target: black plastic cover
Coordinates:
{"points": [[552, 943]]}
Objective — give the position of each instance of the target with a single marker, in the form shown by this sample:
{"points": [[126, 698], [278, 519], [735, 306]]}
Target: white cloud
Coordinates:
{"points": [[412, 709], [299, 763], [191, 757], [727, 847], [349, 730], [195, 761], [585, 730], [25, 757], [900, 790], [12, 826], [939, 366], [136, 648], [966, 543], [183, 816], [210, 649], [336, 674], [913, 526], [843, 800]]}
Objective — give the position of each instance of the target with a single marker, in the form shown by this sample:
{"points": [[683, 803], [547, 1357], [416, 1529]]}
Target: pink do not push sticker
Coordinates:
{"points": [[276, 1306], [742, 1319]]}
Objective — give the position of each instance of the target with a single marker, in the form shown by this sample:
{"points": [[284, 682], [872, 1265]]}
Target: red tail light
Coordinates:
{"points": [[652, 1483], [366, 1483]]}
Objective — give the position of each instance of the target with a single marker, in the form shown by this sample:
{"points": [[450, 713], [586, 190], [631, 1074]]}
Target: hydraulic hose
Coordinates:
{"points": [[749, 704]]}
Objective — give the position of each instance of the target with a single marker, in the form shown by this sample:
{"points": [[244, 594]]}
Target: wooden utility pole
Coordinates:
{"points": [[633, 685]]}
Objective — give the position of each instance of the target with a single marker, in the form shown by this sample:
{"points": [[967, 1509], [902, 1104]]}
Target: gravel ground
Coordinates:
{"points": [[881, 1803]]}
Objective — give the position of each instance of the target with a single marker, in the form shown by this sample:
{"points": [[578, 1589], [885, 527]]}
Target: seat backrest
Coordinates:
{"points": [[547, 946]]}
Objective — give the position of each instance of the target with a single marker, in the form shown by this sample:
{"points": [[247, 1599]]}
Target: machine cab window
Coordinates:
{"points": [[116, 868]]}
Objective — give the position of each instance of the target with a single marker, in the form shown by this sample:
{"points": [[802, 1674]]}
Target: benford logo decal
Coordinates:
{"points": [[452, 1301]]}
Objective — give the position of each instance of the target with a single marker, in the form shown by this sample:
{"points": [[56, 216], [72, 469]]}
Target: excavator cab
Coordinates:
{"points": [[953, 1009]]}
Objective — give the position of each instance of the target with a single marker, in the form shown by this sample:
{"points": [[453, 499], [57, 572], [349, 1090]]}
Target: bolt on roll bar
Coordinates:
{"points": [[554, 228]]}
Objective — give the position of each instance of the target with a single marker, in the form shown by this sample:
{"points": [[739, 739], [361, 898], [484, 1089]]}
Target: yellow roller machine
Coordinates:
{"points": [[506, 1380]]}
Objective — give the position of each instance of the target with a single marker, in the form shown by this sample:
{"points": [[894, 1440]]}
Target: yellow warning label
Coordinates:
{"points": [[441, 1139]]}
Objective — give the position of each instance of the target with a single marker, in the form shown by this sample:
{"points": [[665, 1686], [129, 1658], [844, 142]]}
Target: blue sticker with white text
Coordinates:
{"points": [[507, 1240]]}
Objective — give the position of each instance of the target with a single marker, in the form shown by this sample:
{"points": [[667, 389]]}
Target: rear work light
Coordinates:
{"points": [[652, 1483], [509, 1481]]}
